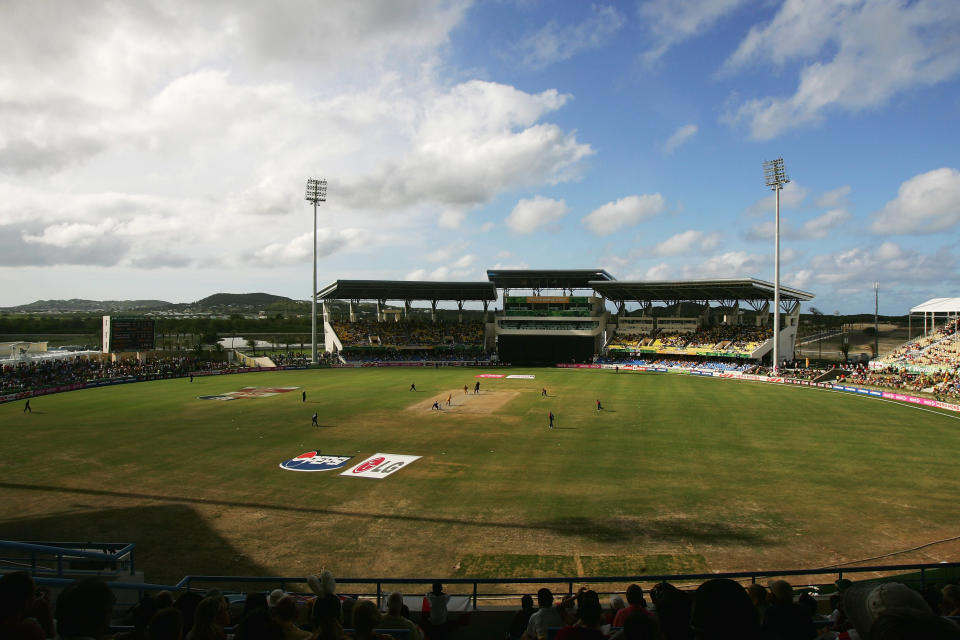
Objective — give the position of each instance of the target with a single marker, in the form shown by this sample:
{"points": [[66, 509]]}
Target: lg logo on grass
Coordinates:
{"points": [[380, 465]]}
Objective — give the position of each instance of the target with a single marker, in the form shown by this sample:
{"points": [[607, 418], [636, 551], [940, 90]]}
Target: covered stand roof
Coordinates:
{"points": [[406, 290], [938, 305], [724, 289], [547, 278]]}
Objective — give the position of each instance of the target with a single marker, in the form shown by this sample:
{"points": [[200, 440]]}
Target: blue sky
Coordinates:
{"points": [[159, 150]]}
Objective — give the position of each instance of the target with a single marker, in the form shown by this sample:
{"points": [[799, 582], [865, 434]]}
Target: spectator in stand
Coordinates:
{"points": [[673, 611], [589, 624], [784, 619], [895, 609], [166, 624], [436, 621], [616, 603], [211, 617], [83, 610], [17, 593], [366, 618], [259, 624], [522, 618], [187, 605], [635, 602], [950, 600], [722, 610], [395, 619], [285, 613], [547, 616], [141, 614], [759, 598]]}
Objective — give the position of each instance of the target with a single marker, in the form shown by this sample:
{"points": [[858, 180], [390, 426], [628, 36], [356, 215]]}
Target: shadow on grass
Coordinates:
{"points": [[666, 529], [166, 535], [602, 529]]}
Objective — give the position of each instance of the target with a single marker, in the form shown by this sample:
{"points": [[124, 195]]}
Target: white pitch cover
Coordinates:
{"points": [[380, 465]]}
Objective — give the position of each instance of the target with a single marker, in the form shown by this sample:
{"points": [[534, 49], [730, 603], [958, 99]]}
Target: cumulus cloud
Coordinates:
{"points": [[529, 215], [670, 22], [875, 50], [792, 195], [926, 203], [299, 250], [679, 137], [555, 43], [687, 242], [834, 198], [731, 264], [624, 212], [821, 226], [889, 262]]}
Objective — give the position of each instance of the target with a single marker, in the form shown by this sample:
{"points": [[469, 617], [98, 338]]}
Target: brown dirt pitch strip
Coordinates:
{"points": [[479, 403]]}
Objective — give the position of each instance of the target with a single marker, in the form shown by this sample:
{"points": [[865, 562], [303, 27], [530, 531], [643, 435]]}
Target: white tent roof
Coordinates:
{"points": [[938, 305]]}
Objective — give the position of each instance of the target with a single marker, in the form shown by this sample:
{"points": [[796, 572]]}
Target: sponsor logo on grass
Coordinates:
{"points": [[489, 375], [380, 465], [250, 392], [521, 377], [314, 461]]}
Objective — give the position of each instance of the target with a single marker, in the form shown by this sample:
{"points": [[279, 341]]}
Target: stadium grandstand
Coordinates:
{"points": [[562, 316]]}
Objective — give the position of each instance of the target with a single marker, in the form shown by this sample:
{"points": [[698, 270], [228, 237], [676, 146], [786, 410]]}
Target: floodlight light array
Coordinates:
{"points": [[316, 190], [775, 174]]}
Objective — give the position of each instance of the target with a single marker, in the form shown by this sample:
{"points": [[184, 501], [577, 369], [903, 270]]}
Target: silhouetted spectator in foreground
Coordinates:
{"points": [[589, 625], [635, 602], [83, 610], [673, 611], [522, 618], [366, 618], [722, 610], [16, 599], [166, 624], [259, 624], [394, 619], [785, 619]]}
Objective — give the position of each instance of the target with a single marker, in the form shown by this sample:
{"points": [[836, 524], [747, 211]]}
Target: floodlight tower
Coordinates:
{"points": [[776, 176], [876, 325], [316, 192]]}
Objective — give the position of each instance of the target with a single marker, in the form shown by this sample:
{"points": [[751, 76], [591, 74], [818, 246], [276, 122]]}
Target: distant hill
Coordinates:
{"points": [[241, 300], [218, 302], [77, 305]]}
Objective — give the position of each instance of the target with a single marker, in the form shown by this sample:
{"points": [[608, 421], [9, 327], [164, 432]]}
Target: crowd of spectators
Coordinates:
{"points": [[940, 348], [722, 338], [717, 609], [619, 358], [943, 384], [409, 334], [374, 356], [41, 374]]}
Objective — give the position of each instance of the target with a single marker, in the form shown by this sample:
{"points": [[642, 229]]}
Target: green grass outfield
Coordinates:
{"points": [[678, 473]]}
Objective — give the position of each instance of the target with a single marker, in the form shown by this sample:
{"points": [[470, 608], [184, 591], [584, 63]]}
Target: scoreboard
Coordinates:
{"points": [[128, 334]]}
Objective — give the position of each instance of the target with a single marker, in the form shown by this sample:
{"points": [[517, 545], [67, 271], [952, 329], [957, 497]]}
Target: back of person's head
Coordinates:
{"points": [[259, 624], [187, 605], [782, 591], [673, 611], [635, 595], [286, 609], [83, 609], [617, 603], [437, 588], [544, 597], [395, 603], [526, 602], [808, 602], [143, 611], [208, 617], [911, 625], [758, 595], [366, 616], [591, 612], [16, 594], [256, 600], [950, 598], [166, 624], [640, 626], [164, 599], [722, 609]]}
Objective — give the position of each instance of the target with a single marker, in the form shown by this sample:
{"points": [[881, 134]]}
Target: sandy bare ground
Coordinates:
{"points": [[484, 402]]}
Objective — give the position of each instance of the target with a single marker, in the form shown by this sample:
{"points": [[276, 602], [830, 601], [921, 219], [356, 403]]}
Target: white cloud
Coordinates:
{"points": [[792, 195], [660, 271], [878, 49], [486, 227], [687, 242], [926, 203], [821, 226], [679, 137], [623, 213], [670, 22], [732, 264], [299, 250], [834, 198], [555, 43], [889, 263], [529, 215]]}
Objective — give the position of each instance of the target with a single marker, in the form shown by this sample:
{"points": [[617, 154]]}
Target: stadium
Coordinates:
{"points": [[589, 432]]}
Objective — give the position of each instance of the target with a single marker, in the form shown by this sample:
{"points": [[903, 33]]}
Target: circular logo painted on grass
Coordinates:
{"points": [[369, 464], [314, 461]]}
